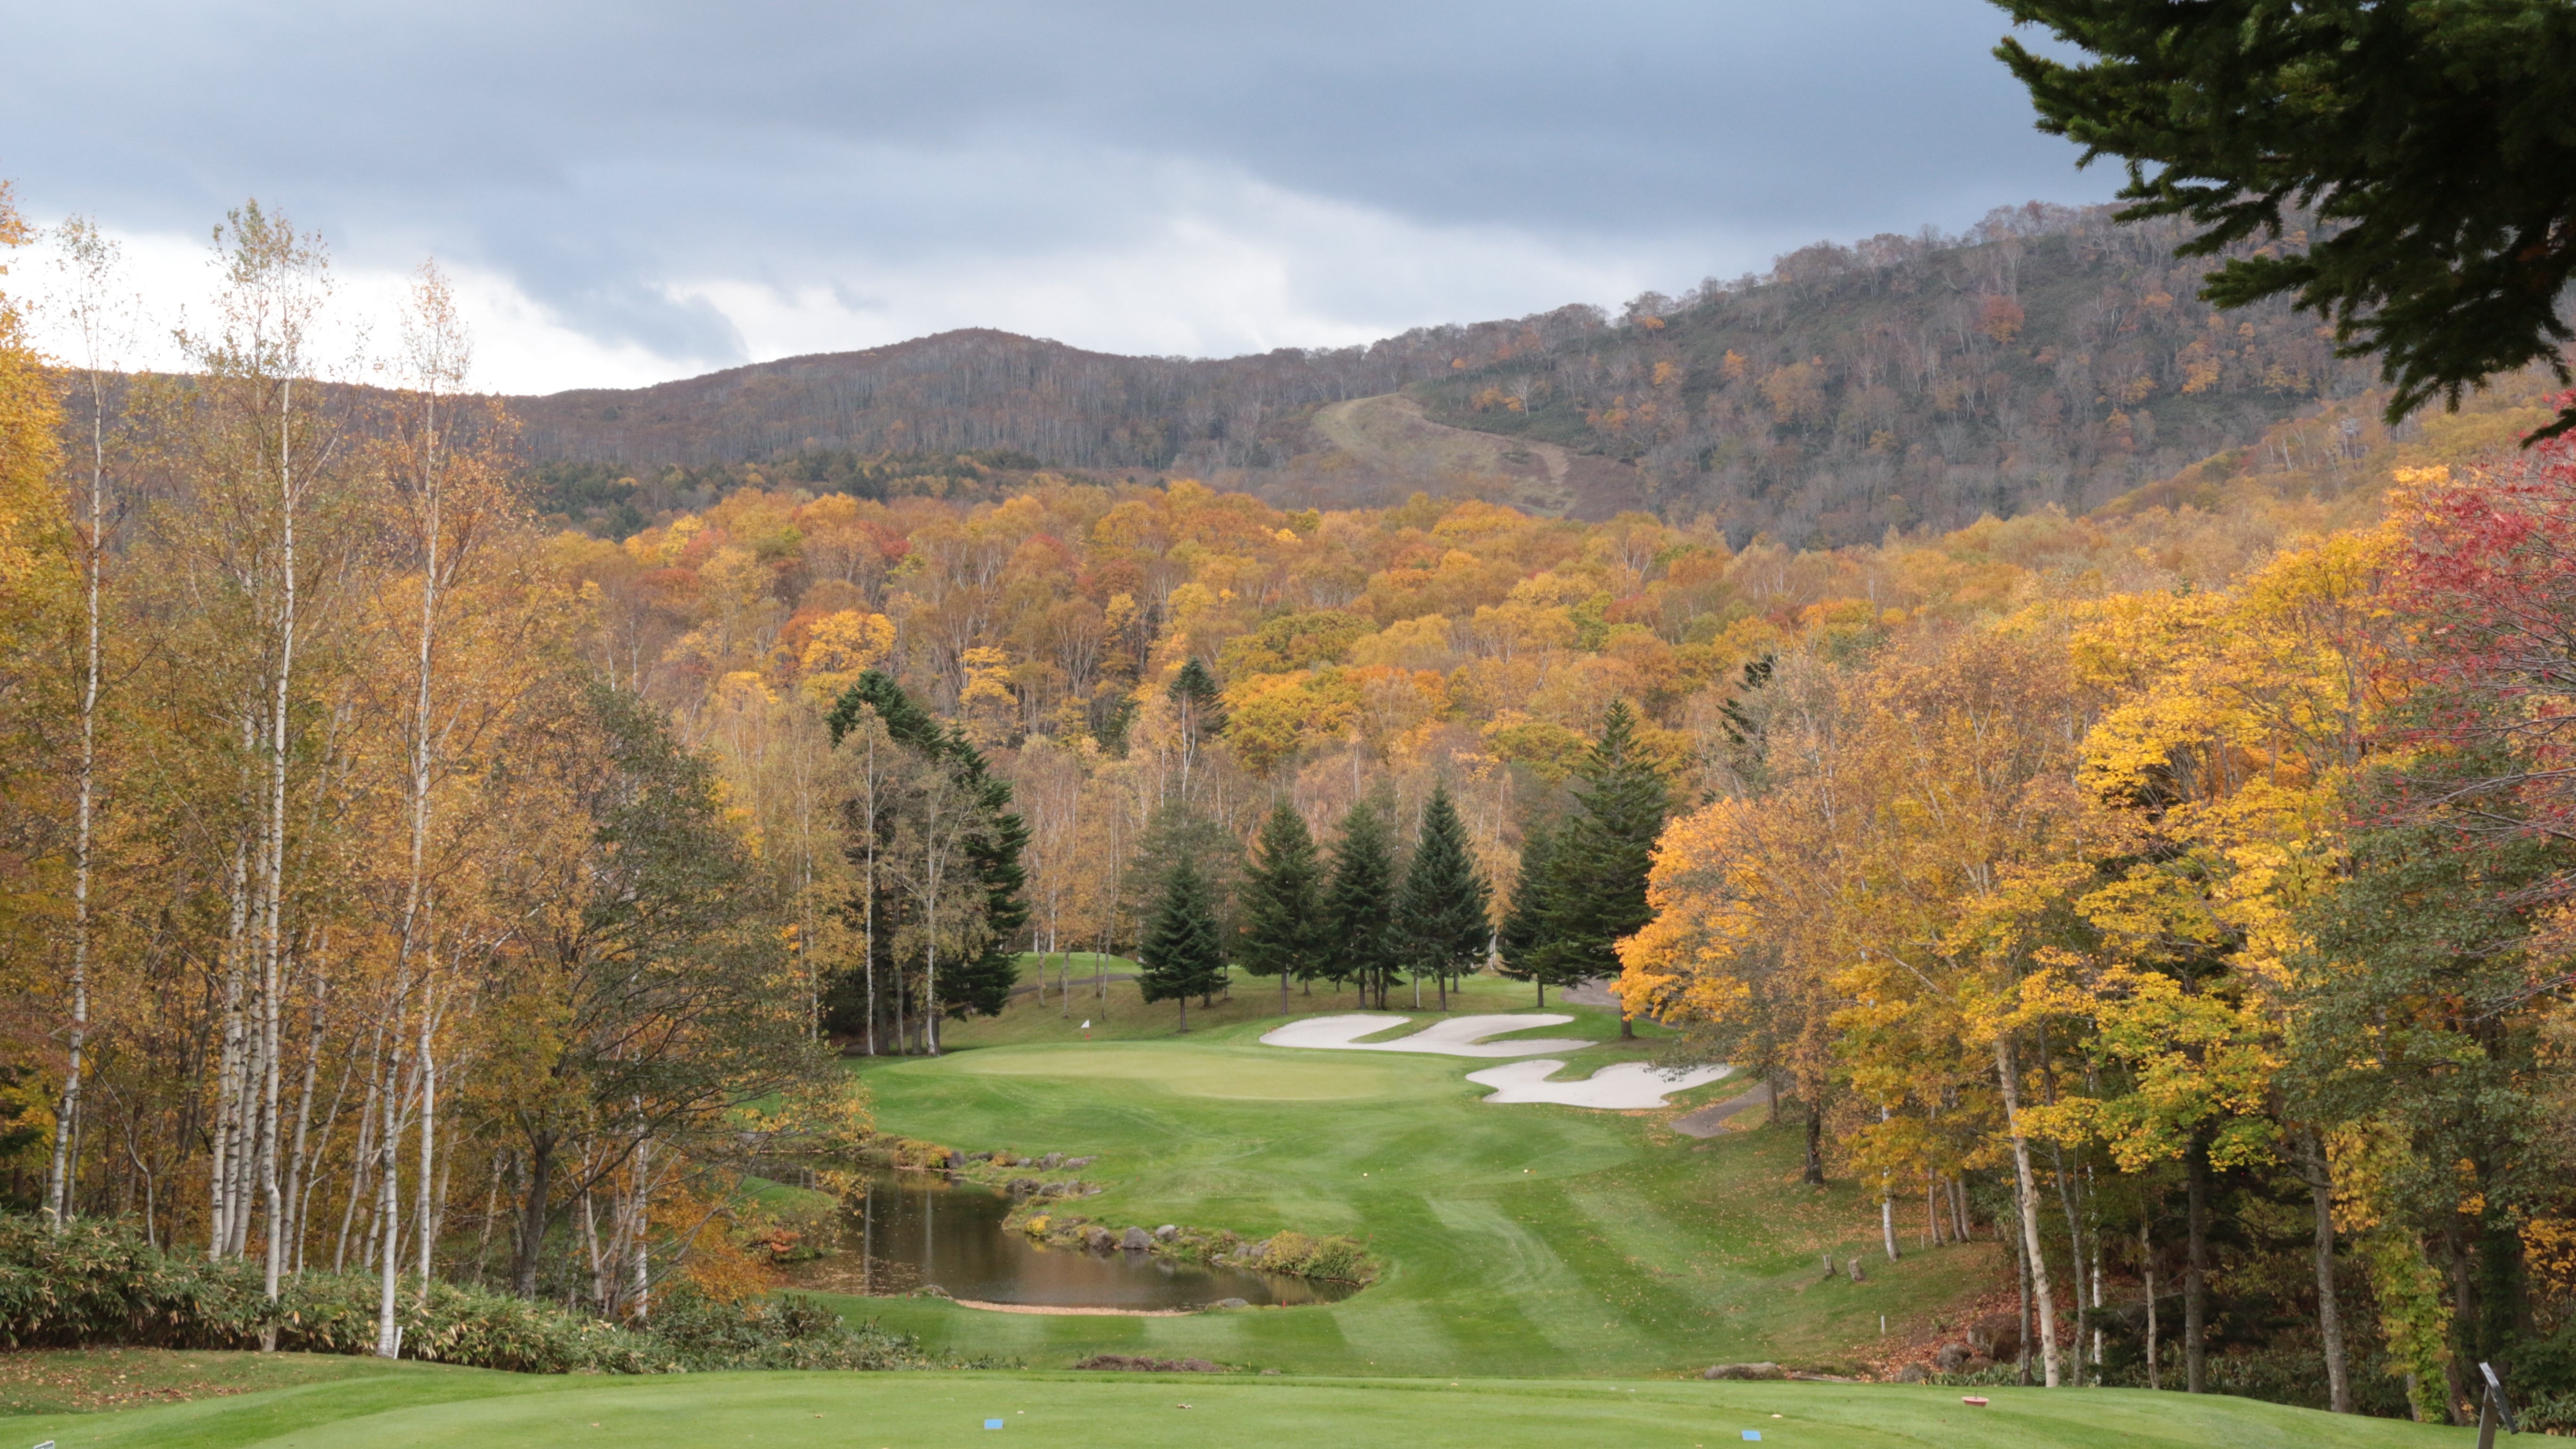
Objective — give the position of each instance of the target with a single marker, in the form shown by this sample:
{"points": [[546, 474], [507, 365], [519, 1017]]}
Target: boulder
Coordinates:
{"points": [[1911, 1374], [956, 1160], [1080, 1161], [1098, 1239], [1856, 1273], [1744, 1371], [1229, 1303], [1051, 1161], [1166, 1233], [1136, 1240], [1952, 1357], [1022, 1187]]}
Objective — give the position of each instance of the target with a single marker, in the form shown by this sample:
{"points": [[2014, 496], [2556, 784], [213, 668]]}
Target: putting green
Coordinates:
{"points": [[1237, 1073], [900, 1411], [1516, 1241]]}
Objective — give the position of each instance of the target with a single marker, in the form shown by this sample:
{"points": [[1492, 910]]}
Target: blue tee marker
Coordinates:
{"points": [[1753, 1435], [992, 1423]]}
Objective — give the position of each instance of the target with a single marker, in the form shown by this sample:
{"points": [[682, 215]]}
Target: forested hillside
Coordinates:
{"points": [[395, 881], [2049, 356], [2059, 358]]}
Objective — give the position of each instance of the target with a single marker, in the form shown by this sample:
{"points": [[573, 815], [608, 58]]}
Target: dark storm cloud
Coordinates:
{"points": [[595, 152]]}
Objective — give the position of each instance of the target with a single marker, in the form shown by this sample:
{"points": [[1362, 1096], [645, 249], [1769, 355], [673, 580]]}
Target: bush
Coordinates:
{"points": [[790, 1331], [98, 1282], [1335, 1259]]}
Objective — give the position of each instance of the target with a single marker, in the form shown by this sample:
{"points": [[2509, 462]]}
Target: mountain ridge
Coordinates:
{"points": [[2052, 356]]}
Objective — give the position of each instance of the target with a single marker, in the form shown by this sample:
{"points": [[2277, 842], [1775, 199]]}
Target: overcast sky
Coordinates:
{"points": [[633, 192]]}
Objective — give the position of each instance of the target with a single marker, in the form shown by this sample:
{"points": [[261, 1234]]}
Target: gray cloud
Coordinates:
{"points": [[606, 159]]}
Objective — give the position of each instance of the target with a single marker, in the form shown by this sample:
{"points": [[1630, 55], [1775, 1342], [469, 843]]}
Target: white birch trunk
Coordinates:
{"points": [[272, 922], [2027, 1195], [637, 1222]]}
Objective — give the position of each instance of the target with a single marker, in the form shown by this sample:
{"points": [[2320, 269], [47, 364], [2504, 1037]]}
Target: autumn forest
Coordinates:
{"points": [[2108, 782]]}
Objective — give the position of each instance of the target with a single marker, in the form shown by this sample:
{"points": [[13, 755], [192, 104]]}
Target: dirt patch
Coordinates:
{"points": [[54, 1380], [1123, 1363]]}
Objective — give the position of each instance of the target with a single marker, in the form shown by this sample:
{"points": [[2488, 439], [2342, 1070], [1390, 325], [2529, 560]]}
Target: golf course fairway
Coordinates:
{"points": [[1523, 1241], [426, 1408], [1547, 1276]]}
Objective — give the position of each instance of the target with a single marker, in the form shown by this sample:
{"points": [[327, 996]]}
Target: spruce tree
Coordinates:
{"points": [[1183, 954], [1283, 903], [1363, 895], [1441, 925], [1175, 832], [2431, 140], [1201, 707], [1525, 925], [1596, 891], [981, 984]]}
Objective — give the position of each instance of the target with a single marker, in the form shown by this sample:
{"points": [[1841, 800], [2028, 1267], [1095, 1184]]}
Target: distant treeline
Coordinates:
{"points": [[2046, 357], [2051, 356]]}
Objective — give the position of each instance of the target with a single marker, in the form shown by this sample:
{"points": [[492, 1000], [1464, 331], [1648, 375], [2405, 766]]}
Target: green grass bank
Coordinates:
{"points": [[1514, 1241], [424, 1407]]}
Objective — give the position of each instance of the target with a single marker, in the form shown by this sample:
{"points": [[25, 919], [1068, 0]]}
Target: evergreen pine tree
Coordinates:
{"points": [[981, 984], [1282, 902], [1596, 891], [1441, 921], [1363, 894], [1201, 705], [1175, 832], [1525, 925], [1183, 954]]}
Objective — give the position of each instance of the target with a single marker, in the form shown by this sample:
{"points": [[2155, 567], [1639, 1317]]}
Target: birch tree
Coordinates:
{"points": [[103, 322]]}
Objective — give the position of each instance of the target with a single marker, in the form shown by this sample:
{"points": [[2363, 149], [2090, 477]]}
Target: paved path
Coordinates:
{"points": [[1710, 1120], [1588, 993]]}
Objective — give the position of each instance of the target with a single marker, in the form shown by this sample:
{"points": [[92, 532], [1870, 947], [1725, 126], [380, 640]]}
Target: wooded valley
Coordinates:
{"points": [[402, 879]]}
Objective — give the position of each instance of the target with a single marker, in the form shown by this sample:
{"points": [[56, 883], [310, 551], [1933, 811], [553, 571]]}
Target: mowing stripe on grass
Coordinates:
{"points": [[1182, 1411]]}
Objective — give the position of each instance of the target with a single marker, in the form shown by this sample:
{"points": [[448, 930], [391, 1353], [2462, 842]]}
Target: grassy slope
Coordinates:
{"points": [[432, 1408], [1525, 1240], [78, 1380], [1526, 1245]]}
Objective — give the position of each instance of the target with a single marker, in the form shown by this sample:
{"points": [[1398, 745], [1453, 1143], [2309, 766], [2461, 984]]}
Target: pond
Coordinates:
{"points": [[911, 1230]]}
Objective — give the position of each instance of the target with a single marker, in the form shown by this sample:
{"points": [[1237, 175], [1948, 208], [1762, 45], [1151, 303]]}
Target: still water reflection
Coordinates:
{"points": [[910, 1230]]}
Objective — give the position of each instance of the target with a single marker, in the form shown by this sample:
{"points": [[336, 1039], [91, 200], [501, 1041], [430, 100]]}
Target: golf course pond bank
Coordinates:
{"points": [[908, 1232]]}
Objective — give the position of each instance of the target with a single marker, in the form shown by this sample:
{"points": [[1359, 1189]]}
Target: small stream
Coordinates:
{"points": [[913, 1230]]}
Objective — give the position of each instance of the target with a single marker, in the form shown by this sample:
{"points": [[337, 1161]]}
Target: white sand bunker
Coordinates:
{"points": [[1459, 1036], [1621, 1085]]}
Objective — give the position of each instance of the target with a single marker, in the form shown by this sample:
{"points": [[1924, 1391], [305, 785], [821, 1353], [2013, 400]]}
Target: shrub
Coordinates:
{"points": [[98, 1282], [1336, 1259]]}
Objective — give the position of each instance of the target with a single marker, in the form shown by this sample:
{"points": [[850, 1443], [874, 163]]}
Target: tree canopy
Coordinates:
{"points": [[2429, 141]]}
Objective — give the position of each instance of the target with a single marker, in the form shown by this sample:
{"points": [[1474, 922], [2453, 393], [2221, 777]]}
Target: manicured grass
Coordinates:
{"points": [[1117, 1013], [1085, 964], [429, 1409], [1520, 1241]]}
